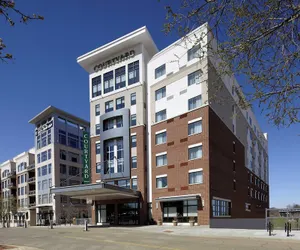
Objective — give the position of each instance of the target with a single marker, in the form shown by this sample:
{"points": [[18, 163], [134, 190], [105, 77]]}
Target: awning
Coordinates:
{"points": [[179, 198], [97, 191]]}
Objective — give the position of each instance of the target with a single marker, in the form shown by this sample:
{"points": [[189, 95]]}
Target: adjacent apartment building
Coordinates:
{"points": [[58, 162], [163, 146]]}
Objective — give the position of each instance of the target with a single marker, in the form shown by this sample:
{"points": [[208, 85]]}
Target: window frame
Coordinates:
{"points": [[159, 113], [160, 71], [191, 147], [162, 91]]}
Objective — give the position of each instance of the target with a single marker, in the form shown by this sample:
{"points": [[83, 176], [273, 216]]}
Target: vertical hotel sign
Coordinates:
{"points": [[86, 158]]}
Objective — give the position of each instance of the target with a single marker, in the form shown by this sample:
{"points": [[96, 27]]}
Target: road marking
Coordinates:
{"points": [[123, 243]]}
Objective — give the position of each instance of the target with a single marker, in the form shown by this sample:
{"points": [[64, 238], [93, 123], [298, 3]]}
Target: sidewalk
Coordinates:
{"points": [[216, 232]]}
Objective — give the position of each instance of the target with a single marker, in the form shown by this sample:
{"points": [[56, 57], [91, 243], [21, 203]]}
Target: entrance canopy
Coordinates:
{"points": [[97, 191]]}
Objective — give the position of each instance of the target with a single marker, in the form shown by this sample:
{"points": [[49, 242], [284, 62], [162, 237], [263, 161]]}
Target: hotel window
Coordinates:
{"points": [[120, 102], [133, 99], [195, 152], [45, 198], [73, 140], [39, 171], [195, 102], [38, 142], [96, 86], [49, 154], [97, 129], [74, 171], [161, 138], [44, 185], [63, 169], [161, 181], [111, 123], [120, 76], [109, 106], [44, 170], [98, 147], [194, 78], [160, 93], [73, 157], [221, 208], [195, 177], [108, 79], [40, 199], [98, 167], [49, 168], [133, 141], [133, 72], [161, 160], [38, 158], [133, 162], [22, 190], [62, 137], [44, 156], [195, 128], [161, 115], [44, 139], [39, 185], [194, 52], [63, 154], [124, 183], [133, 120], [160, 71], [134, 183], [97, 109], [113, 156], [49, 136]]}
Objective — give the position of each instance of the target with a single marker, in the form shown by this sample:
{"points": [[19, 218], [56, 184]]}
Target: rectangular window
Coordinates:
{"points": [[133, 120], [120, 102], [161, 160], [194, 52], [161, 138], [134, 183], [124, 183], [44, 170], [49, 168], [114, 122], [133, 73], [98, 147], [45, 198], [160, 93], [195, 102], [108, 79], [161, 182], [194, 78], [39, 171], [63, 169], [109, 106], [62, 138], [73, 157], [196, 177], [161, 115], [39, 185], [133, 141], [120, 76], [160, 71], [97, 109], [133, 162], [44, 184], [195, 128], [221, 208], [49, 154], [195, 152], [38, 158], [22, 178], [22, 190], [98, 167], [73, 140], [44, 156], [63, 154], [96, 86], [73, 171], [97, 129], [133, 99]]}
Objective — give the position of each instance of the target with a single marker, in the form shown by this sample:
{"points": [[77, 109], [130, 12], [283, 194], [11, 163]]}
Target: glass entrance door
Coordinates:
{"points": [[101, 210]]}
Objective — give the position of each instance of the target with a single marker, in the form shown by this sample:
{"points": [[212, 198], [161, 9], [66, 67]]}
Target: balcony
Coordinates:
{"points": [[31, 193], [31, 167], [11, 185], [32, 204], [31, 180], [11, 174]]}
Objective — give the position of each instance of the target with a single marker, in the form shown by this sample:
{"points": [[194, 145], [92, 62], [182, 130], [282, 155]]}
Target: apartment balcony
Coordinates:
{"points": [[31, 193], [31, 167], [32, 204], [31, 180], [11, 185], [11, 174]]}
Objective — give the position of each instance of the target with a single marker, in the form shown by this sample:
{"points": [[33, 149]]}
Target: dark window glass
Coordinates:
{"points": [[97, 129], [120, 76], [109, 106], [133, 72], [133, 120], [96, 86], [160, 71], [133, 141], [108, 79], [120, 102], [133, 99], [97, 109]]}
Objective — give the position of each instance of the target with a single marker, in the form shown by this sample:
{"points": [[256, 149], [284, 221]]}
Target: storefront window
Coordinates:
{"points": [[183, 210]]}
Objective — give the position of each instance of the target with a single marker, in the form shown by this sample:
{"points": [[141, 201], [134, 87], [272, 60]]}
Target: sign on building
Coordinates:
{"points": [[86, 171]]}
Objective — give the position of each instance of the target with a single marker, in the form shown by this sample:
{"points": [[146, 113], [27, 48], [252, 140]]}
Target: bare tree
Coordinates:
{"points": [[8, 10], [259, 39], [8, 208]]}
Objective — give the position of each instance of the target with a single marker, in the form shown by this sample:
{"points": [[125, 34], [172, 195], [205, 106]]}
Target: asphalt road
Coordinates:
{"points": [[118, 238]]}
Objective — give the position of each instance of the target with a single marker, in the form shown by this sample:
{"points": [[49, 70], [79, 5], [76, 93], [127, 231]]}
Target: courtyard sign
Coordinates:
{"points": [[86, 171], [114, 60]]}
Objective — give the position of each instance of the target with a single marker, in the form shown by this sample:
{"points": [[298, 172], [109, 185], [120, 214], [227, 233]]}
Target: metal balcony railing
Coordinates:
{"points": [[31, 167], [32, 192], [32, 179]]}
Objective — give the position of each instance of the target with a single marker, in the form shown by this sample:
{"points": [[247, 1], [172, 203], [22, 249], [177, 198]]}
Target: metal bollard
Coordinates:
{"points": [[51, 224], [25, 224], [86, 225]]}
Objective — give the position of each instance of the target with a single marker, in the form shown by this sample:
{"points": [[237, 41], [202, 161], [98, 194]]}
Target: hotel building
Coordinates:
{"points": [[58, 150], [163, 146]]}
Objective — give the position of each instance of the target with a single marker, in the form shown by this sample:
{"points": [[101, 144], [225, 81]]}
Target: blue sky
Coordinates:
{"points": [[45, 73]]}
